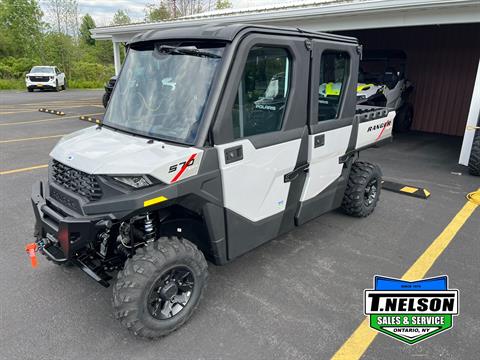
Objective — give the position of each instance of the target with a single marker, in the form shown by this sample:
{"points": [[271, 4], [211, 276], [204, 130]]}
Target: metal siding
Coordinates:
{"points": [[441, 63]]}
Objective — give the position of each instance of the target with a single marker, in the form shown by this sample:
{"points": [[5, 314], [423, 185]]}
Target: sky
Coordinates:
{"points": [[102, 10]]}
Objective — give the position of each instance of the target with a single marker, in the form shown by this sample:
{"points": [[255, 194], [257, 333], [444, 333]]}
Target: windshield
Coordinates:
{"points": [[163, 89], [41, 69]]}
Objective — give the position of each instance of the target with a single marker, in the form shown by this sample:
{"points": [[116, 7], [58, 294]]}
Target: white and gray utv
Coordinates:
{"points": [[215, 141]]}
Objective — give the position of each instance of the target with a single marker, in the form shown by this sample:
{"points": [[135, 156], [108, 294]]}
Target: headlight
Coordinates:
{"points": [[135, 181]]}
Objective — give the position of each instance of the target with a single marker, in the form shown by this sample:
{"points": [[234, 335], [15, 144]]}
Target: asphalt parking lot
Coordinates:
{"points": [[297, 297]]}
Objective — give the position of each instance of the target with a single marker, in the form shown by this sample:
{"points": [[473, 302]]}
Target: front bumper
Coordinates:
{"points": [[40, 85], [61, 235]]}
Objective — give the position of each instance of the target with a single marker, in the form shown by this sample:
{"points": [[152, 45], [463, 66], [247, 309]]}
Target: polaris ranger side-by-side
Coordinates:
{"points": [[216, 140]]}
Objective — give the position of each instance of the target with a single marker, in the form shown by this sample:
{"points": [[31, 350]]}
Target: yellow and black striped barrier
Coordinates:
{"points": [[49, 111], [90, 119], [408, 190]]}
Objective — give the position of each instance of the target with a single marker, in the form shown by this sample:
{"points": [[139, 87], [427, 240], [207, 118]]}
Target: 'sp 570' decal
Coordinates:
{"points": [[183, 166]]}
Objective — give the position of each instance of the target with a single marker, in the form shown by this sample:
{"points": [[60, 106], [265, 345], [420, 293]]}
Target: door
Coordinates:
{"points": [[332, 129], [60, 77], [258, 136]]}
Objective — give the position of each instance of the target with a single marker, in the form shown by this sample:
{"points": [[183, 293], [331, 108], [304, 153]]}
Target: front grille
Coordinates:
{"points": [[39, 78], [77, 181]]}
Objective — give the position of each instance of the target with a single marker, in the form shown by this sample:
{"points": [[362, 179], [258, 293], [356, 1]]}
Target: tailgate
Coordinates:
{"points": [[375, 125]]}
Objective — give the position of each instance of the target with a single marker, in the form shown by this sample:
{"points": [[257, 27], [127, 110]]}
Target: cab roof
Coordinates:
{"points": [[228, 32]]}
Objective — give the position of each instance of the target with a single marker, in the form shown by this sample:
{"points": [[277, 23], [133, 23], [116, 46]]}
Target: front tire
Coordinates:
{"points": [[160, 287], [57, 87], [105, 99], [30, 89], [474, 162], [363, 189]]}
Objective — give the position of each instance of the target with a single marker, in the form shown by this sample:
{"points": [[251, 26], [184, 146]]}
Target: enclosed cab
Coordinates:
{"points": [[215, 141]]}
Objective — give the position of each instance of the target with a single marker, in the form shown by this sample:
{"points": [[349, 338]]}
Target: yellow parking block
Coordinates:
{"points": [[405, 189], [409, 189], [474, 197]]}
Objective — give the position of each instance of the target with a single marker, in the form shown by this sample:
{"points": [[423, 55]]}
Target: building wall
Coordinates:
{"points": [[441, 63]]}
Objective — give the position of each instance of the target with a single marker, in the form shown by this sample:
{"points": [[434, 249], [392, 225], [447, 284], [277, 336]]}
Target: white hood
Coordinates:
{"points": [[103, 151], [41, 74]]}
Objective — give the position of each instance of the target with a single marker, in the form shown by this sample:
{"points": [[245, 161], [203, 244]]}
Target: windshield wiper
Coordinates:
{"points": [[184, 51]]}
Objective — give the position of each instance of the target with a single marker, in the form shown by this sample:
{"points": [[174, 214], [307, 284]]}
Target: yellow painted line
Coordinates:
{"points": [[363, 336], [31, 138], [45, 120], [154, 201], [6, 172], [9, 111], [55, 102], [36, 106], [426, 192], [409, 189]]}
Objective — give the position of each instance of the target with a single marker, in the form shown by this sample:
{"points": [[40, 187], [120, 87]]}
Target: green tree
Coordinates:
{"points": [[121, 18], [20, 27], [223, 4], [154, 13], [60, 50], [63, 14], [87, 24]]}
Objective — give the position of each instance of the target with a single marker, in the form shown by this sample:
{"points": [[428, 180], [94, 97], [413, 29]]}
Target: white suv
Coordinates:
{"points": [[45, 77]]}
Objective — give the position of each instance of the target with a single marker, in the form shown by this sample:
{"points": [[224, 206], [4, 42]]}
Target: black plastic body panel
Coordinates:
{"points": [[328, 200], [72, 233], [245, 235]]}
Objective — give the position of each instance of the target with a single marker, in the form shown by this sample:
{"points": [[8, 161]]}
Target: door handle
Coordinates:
{"points": [[295, 173], [233, 154], [319, 140]]}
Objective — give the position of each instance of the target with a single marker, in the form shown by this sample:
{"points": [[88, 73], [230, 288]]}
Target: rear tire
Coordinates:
{"points": [[64, 86], [160, 287], [363, 189], [474, 162], [404, 119]]}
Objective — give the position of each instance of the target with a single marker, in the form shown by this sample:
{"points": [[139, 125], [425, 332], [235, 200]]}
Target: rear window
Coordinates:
{"points": [[42, 69]]}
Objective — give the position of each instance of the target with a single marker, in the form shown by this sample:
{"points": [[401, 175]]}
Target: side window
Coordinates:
{"points": [[334, 68], [262, 94]]}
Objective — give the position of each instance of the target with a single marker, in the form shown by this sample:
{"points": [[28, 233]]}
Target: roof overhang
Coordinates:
{"points": [[334, 16]]}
